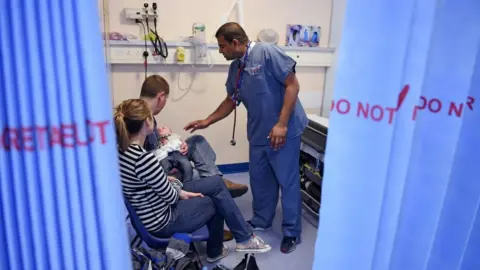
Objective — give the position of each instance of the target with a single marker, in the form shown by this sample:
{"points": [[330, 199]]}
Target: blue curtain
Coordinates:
{"points": [[402, 181], [61, 204]]}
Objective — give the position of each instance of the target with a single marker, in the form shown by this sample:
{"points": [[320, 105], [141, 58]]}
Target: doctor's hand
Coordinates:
{"points": [[184, 148], [199, 124], [185, 195], [277, 136]]}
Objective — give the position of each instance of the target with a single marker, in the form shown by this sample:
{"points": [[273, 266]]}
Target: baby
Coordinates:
{"points": [[170, 156]]}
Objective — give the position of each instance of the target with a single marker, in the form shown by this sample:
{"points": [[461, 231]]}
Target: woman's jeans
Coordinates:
{"points": [[216, 207]]}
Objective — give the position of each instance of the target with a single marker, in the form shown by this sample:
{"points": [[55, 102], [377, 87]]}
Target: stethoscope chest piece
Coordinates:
{"points": [[233, 142]]}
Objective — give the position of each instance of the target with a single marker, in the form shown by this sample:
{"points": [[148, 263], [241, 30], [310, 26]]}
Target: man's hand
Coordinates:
{"points": [[198, 124], [184, 148], [185, 195], [277, 136]]}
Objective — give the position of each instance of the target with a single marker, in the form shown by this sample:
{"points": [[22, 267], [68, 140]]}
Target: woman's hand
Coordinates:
{"points": [[185, 195], [171, 178]]}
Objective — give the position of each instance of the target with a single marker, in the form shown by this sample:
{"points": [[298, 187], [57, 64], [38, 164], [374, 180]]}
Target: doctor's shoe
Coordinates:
{"points": [[236, 190], [289, 243]]}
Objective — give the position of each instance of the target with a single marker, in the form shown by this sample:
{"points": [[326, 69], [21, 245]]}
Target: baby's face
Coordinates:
{"points": [[164, 131]]}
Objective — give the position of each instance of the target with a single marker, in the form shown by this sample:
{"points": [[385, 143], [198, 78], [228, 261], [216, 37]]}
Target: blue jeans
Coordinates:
{"points": [[203, 157], [216, 207], [176, 160]]}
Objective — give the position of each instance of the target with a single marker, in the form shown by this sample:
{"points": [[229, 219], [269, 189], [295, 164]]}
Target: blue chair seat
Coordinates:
{"points": [[155, 242]]}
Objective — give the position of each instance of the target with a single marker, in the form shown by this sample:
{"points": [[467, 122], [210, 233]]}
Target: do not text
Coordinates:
{"points": [[378, 113]]}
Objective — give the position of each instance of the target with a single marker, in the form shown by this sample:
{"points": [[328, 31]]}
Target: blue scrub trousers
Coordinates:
{"points": [[269, 171]]}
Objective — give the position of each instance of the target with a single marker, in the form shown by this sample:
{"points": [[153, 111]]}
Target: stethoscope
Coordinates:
{"points": [[235, 97]]}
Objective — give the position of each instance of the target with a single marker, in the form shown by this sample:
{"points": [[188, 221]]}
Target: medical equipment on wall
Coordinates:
{"points": [[199, 44], [199, 40], [145, 52], [180, 55], [159, 45]]}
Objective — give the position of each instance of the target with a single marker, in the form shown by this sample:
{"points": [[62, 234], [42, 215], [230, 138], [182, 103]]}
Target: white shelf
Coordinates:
{"points": [[131, 52]]}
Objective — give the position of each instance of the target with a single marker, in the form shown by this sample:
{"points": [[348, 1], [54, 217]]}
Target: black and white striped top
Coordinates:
{"points": [[146, 187]]}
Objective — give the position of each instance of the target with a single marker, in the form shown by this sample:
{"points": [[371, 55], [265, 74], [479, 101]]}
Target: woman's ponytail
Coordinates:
{"points": [[121, 130], [129, 118]]}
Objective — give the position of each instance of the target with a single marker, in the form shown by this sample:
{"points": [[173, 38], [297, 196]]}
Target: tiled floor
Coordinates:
{"points": [[300, 259]]}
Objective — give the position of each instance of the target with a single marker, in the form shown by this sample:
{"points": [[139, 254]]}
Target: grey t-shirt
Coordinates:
{"points": [[152, 141]]}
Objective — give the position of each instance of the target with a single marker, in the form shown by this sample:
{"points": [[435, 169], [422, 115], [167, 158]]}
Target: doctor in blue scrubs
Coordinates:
{"points": [[262, 77]]}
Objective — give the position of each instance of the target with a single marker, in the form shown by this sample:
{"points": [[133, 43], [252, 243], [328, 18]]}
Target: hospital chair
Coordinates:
{"points": [[161, 243]]}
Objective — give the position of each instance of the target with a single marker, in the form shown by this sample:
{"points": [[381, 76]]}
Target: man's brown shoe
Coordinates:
{"points": [[236, 190], [227, 236]]}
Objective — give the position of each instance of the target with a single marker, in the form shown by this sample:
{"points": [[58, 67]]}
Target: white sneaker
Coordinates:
{"points": [[254, 245]]}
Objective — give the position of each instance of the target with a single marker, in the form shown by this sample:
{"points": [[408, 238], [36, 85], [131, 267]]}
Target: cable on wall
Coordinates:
{"points": [[145, 52]]}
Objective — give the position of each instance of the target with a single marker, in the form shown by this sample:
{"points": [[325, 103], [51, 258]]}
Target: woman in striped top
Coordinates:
{"points": [[165, 206]]}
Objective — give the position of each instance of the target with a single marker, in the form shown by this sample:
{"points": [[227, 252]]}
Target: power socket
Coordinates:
{"points": [[139, 52], [132, 53], [138, 13]]}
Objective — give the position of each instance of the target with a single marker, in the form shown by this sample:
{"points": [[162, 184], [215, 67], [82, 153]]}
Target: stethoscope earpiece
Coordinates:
{"points": [[233, 142]]}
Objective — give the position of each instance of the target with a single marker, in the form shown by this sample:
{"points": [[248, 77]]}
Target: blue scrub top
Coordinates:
{"points": [[263, 90]]}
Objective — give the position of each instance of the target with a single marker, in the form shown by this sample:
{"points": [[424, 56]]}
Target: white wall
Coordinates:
{"points": [[338, 15], [208, 89]]}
